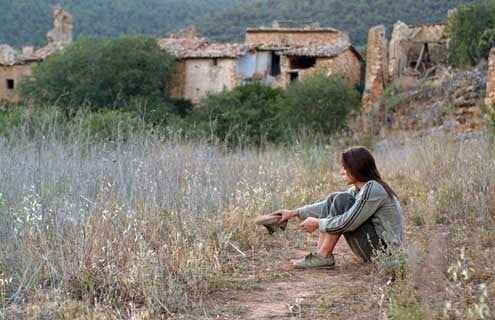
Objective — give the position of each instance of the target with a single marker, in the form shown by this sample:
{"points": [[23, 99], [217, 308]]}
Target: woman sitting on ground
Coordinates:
{"points": [[368, 214]]}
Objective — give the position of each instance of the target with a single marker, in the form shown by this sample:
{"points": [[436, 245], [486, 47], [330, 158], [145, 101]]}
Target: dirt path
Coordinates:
{"points": [[266, 286]]}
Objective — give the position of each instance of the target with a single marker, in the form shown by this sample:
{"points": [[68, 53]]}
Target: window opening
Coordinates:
{"points": [[293, 76], [275, 69], [10, 84], [302, 62]]}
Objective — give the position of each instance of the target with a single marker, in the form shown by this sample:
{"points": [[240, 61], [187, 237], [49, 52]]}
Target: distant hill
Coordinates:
{"points": [[27, 21], [352, 16]]}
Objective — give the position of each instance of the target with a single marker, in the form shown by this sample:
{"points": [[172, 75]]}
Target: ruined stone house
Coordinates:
{"points": [[415, 52], [274, 56], [15, 66]]}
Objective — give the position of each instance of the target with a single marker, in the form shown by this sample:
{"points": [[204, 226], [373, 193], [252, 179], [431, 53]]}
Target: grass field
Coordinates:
{"points": [[151, 227]]}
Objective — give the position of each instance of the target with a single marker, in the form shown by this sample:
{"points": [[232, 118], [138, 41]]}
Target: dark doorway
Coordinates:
{"points": [[10, 84], [302, 62], [275, 69], [293, 76]]}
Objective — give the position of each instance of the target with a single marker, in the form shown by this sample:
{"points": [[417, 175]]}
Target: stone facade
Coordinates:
{"points": [[417, 51], [275, 56], [15, 66], [490, 82], [376, 66], [200, 77], [10, 77], [292, 36]]}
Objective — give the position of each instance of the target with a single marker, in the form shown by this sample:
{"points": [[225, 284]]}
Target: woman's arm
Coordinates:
{"points": [[367, 203]]}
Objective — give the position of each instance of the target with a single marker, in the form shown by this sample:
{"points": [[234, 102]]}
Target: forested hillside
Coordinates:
{"points": [[27, 21], [353, 16]]}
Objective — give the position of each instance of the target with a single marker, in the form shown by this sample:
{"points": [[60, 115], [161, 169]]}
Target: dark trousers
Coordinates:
{"points": [[364, 239]]}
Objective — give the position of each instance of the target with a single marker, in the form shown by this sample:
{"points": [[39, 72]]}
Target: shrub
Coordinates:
{"points": [[320, 103], [101, 73], [108, 125], [470, 34], [248, 113]]}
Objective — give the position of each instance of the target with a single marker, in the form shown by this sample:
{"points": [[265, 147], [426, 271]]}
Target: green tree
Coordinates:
{"points": [[320, 103], [247, 114], [470, 34], [106, 73]]}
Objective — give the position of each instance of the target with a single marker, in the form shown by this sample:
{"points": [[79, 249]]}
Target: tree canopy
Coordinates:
{"points": [[108, 73], [471, 33], [26, 22]]}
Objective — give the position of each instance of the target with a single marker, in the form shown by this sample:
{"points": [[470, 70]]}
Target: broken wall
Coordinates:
{"points": [[345, 64], [376, 67], [10, 77], [408, 47], [490, 83], [296, 37]]}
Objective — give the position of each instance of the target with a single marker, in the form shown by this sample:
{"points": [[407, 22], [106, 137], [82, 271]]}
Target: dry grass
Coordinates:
{"points": [[148, 228]]}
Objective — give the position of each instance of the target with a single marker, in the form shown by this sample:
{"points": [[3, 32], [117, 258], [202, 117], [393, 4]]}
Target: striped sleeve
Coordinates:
{"points": [[367, 203]]}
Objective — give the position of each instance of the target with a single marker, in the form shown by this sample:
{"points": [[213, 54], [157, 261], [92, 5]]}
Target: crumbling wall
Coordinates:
{"points": [[376, 67], [296, 37], [345, 64], [8, 55], [490, 82], [61, 34], [408, 45], [13, 73], [204, 76], [398, 54]]}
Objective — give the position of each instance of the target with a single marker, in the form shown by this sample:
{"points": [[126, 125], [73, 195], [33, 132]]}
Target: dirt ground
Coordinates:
{"points": [[265, 285]]}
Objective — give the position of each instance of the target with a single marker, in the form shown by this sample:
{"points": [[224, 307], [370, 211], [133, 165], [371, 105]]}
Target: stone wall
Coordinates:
{"points": [[345, 64], [15, 73], [409, 41], [376, 67], [490, 82], [177, 88], [300, 37], [204, 76]]}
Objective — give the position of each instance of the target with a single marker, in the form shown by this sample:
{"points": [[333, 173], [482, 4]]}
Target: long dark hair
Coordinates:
{"points": [[359, 163]]}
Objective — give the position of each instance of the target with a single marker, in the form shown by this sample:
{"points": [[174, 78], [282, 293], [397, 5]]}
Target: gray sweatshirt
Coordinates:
{"points": [[372, 201]]}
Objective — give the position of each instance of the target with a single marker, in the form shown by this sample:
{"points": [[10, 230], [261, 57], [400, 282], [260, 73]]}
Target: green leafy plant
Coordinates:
{"points": [[94, 74], [471, 33]]}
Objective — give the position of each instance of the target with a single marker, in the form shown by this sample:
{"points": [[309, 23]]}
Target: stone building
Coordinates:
{"points": [[415, 52], [274, 56], [202, 68], [15, 66], [287, 54]]}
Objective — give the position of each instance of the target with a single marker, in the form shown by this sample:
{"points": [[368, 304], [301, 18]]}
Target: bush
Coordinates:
{"points": [[471, 33], [248, 113], [108, 125], [320, 103], [101, 74]]}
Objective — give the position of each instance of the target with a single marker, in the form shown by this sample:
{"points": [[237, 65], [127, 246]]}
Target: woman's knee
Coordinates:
{"points": [[342, 202]]}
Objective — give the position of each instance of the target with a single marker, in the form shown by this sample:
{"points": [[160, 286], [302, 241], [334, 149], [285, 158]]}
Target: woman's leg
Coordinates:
{"points": [[327, 244], [337, 203]]}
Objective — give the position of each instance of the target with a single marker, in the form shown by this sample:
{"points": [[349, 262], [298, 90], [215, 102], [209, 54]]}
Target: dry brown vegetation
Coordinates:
{"points": [[155, 228]]}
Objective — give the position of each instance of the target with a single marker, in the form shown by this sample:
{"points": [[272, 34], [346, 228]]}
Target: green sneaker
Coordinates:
{"points": [[271, 223], [315, 261]]}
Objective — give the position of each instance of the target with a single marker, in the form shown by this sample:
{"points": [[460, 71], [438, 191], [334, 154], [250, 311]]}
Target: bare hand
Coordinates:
{"points": [[284, 214], [310, 224]]}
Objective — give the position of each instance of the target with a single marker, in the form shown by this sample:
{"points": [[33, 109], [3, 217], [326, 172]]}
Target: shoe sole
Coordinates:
{"points": [[322, 267]]}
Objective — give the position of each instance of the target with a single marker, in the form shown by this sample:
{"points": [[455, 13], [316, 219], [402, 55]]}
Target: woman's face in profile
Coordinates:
{"points": [[348, 178]]}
